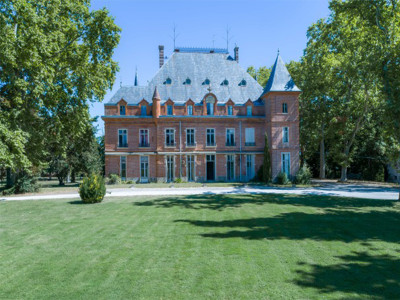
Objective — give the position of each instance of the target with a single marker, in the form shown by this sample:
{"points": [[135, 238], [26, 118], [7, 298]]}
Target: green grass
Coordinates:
{"points": [[201, 247]]}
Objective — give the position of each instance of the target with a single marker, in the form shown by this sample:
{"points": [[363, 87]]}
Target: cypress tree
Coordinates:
{"points": [[266, 174]]}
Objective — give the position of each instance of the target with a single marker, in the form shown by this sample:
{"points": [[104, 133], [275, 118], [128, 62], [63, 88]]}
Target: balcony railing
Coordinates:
{"points": [[250, 144]]}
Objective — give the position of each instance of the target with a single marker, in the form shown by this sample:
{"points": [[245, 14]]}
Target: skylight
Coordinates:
{"points": [[206, 82], [243, 83], [187, 81], [168, 81], [225, 82]]}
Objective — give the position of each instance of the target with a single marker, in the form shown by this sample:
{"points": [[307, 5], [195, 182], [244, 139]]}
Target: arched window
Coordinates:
{"points": [[284, 108], [225, 82], [243, 83], [206, 82], [168, 81], [210, 105], [187, 81]]}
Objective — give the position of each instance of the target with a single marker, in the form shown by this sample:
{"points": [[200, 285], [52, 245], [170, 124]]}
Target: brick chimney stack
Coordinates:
{"points": [[236, 54], [161, 55]]}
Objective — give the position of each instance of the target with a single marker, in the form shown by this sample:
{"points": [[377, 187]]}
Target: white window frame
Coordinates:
{"points": [[246, 136], [282, 154], [194, 137], [283, 135], [127, 142], [226, 137], [165, 138], [215, 140], [126, 167], [148, 137], [194, 167], [234, 166], [173, 167], [143, 179]]}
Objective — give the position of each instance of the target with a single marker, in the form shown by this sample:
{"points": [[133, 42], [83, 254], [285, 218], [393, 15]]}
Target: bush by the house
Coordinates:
{"points": [[24, 183], [282, 179], [92, 189], [114, 179], [303, 176]]}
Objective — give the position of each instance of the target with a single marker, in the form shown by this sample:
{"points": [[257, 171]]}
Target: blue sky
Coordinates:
{"points": [[258, 27]]}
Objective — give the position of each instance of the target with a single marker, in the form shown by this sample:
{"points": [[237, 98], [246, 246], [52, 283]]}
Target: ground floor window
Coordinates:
{"points": [[230, 167], [190, 167], [144, 168], [250, 167], [170, 168], [123, 167], [285, 157]]}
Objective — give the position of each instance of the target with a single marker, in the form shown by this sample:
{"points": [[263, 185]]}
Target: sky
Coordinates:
{"points": [[258, 27]]}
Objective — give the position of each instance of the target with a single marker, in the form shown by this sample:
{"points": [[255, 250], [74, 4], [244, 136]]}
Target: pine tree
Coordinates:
{"points": [[266, 174]]}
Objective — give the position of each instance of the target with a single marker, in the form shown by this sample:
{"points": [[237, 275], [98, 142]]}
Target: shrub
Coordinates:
{"points": [[23, 184], [129, 182], [303, 176], [92, 189], [178, 180], [114, 179], [282, 179]]}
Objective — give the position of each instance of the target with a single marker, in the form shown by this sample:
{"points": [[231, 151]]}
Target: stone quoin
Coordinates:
{"points": [[202, 118]]}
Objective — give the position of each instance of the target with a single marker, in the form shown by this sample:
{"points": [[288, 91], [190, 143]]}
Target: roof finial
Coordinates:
{"points": [[278, 51], [136, 78], [209, 88]]}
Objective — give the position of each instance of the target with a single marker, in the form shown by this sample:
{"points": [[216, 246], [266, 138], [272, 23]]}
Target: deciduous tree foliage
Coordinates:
{"points": [[55, 58]]}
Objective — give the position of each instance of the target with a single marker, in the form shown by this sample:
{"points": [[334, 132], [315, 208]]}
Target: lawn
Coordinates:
{"points": [[201, 247]]}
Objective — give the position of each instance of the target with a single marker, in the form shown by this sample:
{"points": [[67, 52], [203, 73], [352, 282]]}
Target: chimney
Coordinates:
{"points": [[161, 54], [156, 103], [236, 54]]}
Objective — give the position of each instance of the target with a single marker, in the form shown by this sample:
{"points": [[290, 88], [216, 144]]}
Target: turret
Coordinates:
{"points": [[156, 103]]}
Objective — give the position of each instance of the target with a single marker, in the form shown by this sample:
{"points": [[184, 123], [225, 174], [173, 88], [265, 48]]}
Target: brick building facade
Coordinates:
{"points": [[202, 118]]}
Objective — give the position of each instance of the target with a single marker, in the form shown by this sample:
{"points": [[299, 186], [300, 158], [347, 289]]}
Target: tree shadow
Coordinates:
{"points": [[332, 225], [359, 272], [77, 202], [222, 201]]}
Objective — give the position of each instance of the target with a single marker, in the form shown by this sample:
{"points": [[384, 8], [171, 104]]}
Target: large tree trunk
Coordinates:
{"points": [[322, 159], [73, 176], [343, 177], [10, 178]]}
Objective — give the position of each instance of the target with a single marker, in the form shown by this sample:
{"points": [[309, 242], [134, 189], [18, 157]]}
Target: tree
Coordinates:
{"points": [[56, 58], [261, 74], [266, 174]]}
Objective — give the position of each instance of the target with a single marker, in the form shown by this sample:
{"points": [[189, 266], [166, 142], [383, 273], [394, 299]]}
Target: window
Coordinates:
{"points": [[144, 168], [122, 110], [170, 137], [285, 162], [187, 81], [249, 137], [210, 137], [284, 108], [169, 110], [243, 83], [143, 110], [170, 168], [190, 110], [230, 110], [190, 168], [249, 110], [190, 140], [230, 137], [144, 138], [122, 138], [206, 82], [225, 82], [168, 81], [230, 167], [210, 109], [122, 164], [250, 167], [285, 135]]}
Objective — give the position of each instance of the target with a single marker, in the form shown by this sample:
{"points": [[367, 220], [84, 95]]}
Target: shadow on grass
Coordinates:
{"points": [[359, 272], [77, 202], [222, 201], [339, 225]]}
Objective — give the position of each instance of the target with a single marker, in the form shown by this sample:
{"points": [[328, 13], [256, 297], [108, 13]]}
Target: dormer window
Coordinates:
{"points": [[210, 105], [187, 81], [284, 108], [230, 110], [143, 110], [225, 82], [169, 110], [249, 110], [122, 110], [206, 82], [243, 83], [168, 81]]}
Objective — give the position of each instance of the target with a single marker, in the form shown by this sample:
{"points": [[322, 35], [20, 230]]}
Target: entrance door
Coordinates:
{"points": [[170, 168], [286, 163], [210, 166], [144, 169], [250, 167]]}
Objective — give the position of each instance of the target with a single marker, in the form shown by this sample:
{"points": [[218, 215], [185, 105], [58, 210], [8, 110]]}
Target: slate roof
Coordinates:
{"points": [[280, 79], [197, 66]]}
